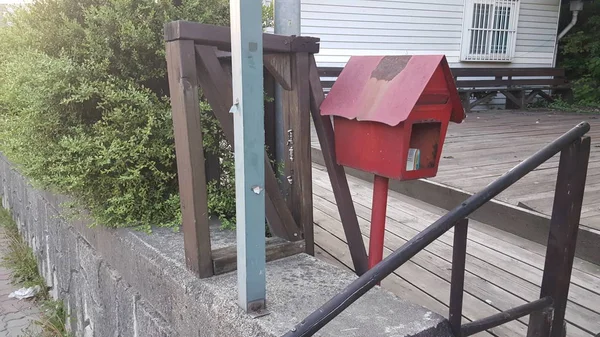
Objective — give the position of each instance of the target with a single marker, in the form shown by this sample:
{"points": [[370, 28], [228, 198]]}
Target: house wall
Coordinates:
{"points": [[398, 27]]}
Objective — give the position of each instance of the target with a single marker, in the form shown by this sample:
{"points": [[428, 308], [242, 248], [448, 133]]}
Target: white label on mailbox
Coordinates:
{"points": [[414, 157]]}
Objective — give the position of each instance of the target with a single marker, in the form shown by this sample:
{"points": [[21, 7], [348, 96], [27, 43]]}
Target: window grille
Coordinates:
{"points": [[491, 30]]}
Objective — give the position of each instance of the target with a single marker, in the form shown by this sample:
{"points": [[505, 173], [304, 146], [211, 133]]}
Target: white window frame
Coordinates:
{"points": [[488, 35]]}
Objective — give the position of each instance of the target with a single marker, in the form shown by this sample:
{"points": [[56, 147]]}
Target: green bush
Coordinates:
{"points": [[84, 106], [580, 54]]}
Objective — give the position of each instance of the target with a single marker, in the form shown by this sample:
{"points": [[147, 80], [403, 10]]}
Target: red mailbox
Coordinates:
{"points": [[391, 114]]}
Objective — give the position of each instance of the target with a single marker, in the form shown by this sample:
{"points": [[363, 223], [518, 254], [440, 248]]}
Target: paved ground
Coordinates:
{"points": [[15, 315]]}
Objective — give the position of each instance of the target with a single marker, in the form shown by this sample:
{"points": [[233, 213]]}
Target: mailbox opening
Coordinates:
{"points": [[424, 137]]}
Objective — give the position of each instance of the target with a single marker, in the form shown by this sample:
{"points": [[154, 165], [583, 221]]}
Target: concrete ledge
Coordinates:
{"points": [[523, 222], [119, 282]]}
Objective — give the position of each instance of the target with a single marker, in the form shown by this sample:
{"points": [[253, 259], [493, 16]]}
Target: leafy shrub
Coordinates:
{"points": [[84, 105], [580, 54]]}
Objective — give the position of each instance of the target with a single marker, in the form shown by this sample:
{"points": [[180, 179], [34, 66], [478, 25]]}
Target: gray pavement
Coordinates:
{"points": [[15, 315]]}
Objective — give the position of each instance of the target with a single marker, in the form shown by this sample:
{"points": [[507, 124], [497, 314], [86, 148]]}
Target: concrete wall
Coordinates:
{"points": [[69, 259], [123, 283]]}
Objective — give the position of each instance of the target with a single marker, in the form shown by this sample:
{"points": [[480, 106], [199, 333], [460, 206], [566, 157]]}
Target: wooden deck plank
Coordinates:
{"points": [[362, 191], [481, 268], [478, 233], [486, 145], [411, 273], [333, 244], [508, 286], [484, 279]]}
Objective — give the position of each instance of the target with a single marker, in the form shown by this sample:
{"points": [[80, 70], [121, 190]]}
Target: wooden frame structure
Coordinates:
{"points": [[520, 86], [197, 59]]}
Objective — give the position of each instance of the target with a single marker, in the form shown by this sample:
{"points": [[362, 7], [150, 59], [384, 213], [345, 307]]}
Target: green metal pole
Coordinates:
{"points": [[248, 110]]}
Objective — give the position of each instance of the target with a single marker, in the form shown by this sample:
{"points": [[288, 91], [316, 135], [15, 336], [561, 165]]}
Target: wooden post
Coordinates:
{"points": [[459, 254], [248, 121], [564, 225], [270, 116], [183, 85], [298, 161], [378, 217], [515, 99]]}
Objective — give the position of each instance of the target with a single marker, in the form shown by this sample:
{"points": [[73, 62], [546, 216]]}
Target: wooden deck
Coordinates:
{"points": [[487, 144], [502, 270]]}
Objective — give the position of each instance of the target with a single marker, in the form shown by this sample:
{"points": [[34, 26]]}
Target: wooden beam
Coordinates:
{"points": [[529, 98], [298, 161], [270, 115], [457, 280], [336, 172], [518, 101], [510, 82], [482, 99], [562, 239], [279, 65], [183, 85], [489, 72], [220, 36], [225, 259], [545, 96], [217, 90]]}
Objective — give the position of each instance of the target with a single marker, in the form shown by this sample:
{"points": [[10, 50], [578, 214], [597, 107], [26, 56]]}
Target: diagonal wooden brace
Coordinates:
{"points": [[216, 86], [336, 172]]}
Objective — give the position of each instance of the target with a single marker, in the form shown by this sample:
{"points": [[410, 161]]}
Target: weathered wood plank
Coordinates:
{"points": [[362, 194], [216, 84], [296, 107], [337, 175], [225, 259], [434, 285], [562, 238], [183, 86], [270, 115], [488, 144], [530, 225], [338, 249], [220, 36], [280, 67], [416, 216], [482, 261]]}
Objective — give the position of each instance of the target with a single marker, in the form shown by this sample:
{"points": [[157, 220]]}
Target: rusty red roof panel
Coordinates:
{"points": [[385, 89]]}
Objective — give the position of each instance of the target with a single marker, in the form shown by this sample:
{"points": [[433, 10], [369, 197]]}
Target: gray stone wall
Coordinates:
{"points": [[99, 300], [123, 283]]}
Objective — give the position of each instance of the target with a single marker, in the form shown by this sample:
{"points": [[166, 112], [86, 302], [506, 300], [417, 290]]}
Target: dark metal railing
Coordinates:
{"points": [[478, 326], [559, 258]]}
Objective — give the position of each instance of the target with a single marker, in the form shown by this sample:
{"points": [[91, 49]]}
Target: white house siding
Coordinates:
{"points": [[413, 27]]}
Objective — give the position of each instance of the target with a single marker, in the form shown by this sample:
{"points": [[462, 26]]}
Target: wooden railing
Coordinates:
{"points": [[520, 86], [196, 61], [548, 312], [198, 58]]}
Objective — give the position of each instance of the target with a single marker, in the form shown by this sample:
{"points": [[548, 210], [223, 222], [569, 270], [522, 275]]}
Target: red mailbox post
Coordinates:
{"points": [[391, 114]]}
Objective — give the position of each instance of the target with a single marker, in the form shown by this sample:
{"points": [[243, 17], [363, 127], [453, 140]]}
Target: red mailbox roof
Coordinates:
{"points": [[385, 89]]}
